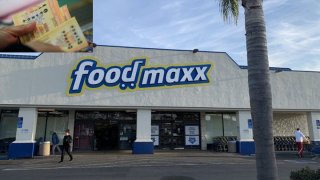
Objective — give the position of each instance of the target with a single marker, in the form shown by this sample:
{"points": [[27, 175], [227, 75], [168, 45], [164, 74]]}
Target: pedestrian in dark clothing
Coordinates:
{"points": [[55, 143], [67, 140]]}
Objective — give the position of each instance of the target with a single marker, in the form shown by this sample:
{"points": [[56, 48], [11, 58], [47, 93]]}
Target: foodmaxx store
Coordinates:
{"points": [[145, 99]]}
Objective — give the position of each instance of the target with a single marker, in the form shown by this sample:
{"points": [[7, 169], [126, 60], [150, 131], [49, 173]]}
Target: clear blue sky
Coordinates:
{"points": [[293, 28]]}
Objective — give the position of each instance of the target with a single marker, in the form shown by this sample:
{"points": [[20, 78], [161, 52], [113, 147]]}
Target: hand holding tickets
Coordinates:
{"points": [[54, 26]]}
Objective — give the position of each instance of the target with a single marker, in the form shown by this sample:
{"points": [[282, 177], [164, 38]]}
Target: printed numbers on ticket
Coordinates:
{"points": [[42, 15], [68, 36]]}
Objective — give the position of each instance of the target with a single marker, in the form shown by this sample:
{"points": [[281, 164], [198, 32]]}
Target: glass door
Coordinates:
{"points": [[178, 134], [172, 129], [172, 134], [83, 135], [127, 134], [165, 135]]}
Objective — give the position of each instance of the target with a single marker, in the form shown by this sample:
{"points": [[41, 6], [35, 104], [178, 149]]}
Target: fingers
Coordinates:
{"points": [[10, 35], [21, 30], [43, 47]]}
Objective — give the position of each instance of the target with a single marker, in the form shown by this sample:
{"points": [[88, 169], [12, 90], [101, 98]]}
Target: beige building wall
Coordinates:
{"points": [[284, 124], [44, 82]]}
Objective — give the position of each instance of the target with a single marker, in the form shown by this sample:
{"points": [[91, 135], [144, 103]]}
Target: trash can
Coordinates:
{"points": [[232, 146], [44, 148]]}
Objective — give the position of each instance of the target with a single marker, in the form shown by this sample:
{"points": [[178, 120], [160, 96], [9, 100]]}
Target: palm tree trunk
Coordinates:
{"points": [[260, 90]]}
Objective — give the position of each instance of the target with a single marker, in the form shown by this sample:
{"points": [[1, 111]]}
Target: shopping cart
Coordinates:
{"points": [[314, 149]]}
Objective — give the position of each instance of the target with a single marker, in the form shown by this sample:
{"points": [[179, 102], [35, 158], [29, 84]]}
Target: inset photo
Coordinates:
{"points": [[46, 26]]}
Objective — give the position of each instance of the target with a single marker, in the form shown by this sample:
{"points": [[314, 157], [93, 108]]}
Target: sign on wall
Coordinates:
{"points": [[250, 124], [89, 74], [20, 122]]}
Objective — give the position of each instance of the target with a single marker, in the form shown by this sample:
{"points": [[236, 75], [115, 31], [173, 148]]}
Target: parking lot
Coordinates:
{"points": [[163, 165]]}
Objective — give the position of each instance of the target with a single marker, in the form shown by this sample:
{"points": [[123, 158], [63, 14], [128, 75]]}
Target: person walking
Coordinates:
{"points": [[67, 140], [55, 143], [299, 141]]}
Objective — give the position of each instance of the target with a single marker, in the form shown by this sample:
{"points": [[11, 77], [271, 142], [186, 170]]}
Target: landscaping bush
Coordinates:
{"points": [[305, 174]]}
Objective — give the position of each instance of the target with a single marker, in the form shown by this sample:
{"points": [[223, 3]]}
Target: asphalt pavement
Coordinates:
{"points": [[163, 165]]}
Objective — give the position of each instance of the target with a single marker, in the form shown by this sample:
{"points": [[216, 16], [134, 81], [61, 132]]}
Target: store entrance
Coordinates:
{"points": [[103, 130], [172, 134], [106, 135]]}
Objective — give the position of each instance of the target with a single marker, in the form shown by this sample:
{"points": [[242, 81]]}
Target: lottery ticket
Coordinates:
{"points": [[68, 36], [54, 26], [54, 6], [41, 14], [65, 12]]}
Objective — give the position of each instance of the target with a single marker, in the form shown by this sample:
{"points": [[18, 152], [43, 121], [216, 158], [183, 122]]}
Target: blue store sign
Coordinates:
{"points": [[137, 75]]}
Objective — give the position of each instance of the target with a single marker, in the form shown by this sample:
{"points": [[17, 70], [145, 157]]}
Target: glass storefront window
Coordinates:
{"points": [[214, 126], [230, 125], [8, 124], [8, 128], [220, 124], [51, 121]]}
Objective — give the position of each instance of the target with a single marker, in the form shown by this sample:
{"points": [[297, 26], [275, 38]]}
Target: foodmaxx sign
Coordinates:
{"points": [[89, 74]]}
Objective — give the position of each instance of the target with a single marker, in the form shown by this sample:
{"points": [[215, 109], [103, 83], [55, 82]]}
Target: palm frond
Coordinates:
{"points": [[229, 9]]}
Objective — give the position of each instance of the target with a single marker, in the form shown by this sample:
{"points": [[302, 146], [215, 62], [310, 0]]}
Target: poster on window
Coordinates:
{"points": [[192, 130], [155, 130], [192, 141], [155, 140], [318, 124]]}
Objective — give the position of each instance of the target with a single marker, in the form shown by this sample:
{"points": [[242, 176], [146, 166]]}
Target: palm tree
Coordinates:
{"points": [[258, 80]]}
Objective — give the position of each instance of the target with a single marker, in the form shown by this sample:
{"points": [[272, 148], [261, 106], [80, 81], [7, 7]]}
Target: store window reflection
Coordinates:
{"points": [[220, 124], [51, 121], [8, 128]]}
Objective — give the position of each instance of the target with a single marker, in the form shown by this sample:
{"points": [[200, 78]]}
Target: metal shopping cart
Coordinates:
{"points": [[313, 148]]}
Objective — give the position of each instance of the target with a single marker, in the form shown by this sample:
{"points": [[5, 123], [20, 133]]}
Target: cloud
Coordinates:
{"points": [[293, 37], [172, 5], [272, 5], [295, 46]]}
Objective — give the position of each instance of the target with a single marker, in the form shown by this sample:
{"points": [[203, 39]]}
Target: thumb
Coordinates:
{"points": [[21, 30]]}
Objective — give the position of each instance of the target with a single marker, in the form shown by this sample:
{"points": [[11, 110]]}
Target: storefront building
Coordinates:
{"points": [[145, 99]]}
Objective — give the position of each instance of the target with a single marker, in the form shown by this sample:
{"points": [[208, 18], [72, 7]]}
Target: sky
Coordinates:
{"points": [[293, 28]]}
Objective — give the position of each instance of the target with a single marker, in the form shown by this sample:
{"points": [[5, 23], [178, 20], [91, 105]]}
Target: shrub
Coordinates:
{"points": [[305, 174]]}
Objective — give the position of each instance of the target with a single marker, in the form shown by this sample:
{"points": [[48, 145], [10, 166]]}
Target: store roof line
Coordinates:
{"points": [[276, 69], [22, 57]]}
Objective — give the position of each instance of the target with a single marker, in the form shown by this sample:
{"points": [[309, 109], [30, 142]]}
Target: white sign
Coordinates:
{"points": [[192, 130], [192, 141], [155, 130], [23, 134], [155, 140]]}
